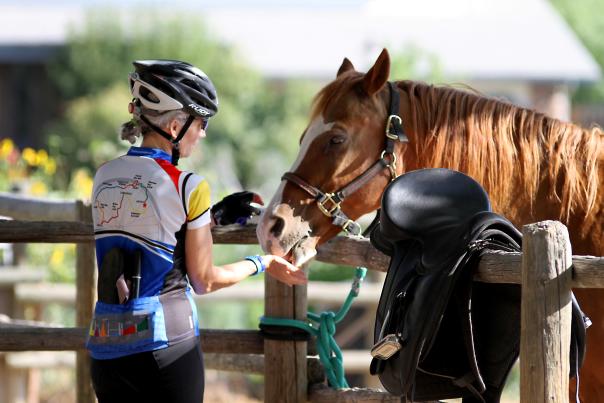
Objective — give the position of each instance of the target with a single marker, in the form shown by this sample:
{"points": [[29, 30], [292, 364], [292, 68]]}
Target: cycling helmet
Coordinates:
{"points": [[165, 85]]}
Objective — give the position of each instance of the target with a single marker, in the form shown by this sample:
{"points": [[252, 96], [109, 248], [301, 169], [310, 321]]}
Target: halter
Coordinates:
{"points": [[330, 203]]}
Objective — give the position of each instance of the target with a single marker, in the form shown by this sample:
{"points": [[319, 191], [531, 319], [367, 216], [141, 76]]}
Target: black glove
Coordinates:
{"points": [[236, 208]]}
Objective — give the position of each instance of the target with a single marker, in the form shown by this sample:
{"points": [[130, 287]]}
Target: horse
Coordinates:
{"points": [[533, 167]]}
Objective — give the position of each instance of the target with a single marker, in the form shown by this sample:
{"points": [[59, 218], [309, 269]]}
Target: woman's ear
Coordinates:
{"points": [[174, 128]]}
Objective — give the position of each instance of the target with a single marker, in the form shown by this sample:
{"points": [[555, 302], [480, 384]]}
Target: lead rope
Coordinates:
{"points": [[324, 330]]}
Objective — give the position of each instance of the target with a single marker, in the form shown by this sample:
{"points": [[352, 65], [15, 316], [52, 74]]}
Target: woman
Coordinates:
{"points": [[153, 240]]}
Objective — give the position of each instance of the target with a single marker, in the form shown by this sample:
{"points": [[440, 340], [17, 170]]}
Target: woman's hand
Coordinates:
{"points": [[236, 208], [284, 271]]}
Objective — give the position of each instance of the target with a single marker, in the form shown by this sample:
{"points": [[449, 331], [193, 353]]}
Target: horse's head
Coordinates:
{"points": [[345, 138]]}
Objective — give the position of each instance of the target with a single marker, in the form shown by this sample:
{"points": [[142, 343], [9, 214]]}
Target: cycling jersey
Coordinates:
{"points": [[141, 202]]}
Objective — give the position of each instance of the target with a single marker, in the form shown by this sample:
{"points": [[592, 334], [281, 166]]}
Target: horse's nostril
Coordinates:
{"points": [[278, 226]]}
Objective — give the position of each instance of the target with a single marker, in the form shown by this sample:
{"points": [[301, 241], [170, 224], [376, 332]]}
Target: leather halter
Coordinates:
{"points": [[330, 203]]}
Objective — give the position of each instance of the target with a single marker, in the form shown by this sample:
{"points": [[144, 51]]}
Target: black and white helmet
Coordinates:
{"points": [[166, 85]]}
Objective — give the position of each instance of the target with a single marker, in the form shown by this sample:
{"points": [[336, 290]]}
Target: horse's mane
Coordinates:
{"points": [[511, 151], [504, 147]]}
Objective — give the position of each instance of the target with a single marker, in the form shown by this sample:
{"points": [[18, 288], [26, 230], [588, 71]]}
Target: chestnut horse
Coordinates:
{"points": [[534, 168]]}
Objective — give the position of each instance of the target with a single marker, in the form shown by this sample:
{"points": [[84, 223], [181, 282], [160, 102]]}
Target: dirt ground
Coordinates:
{"points": [[221, 387]]}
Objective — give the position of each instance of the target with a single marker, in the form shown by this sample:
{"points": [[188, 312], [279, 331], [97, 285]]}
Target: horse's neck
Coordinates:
{"points": [[518, 206], [585, 231]]}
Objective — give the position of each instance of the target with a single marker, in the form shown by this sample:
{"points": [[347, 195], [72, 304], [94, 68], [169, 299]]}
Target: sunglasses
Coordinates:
{"points": [[204, 123]]}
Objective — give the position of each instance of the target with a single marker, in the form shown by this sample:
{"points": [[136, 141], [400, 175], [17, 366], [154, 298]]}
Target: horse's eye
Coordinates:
{"points": [[337, 139]]}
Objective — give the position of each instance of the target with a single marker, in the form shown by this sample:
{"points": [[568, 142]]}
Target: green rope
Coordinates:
{"points": [[325, 329]]}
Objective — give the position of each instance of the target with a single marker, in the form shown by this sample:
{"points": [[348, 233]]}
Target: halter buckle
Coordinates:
{"points": [[352, 228], [328, 210], [389, 125]]}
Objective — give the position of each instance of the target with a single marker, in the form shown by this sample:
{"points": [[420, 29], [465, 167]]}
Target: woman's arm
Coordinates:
{"points": [[205, 277]]}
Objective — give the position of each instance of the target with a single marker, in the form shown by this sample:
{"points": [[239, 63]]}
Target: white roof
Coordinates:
{"points": [[471, 39], [35, 25]]}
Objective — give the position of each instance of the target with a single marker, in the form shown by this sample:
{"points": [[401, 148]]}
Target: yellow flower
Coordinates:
{"points": [[41, 157], [50, 166], [38, 188], [6, 147], [29, 155], [57, 257], [82, 183], [86, 189]]}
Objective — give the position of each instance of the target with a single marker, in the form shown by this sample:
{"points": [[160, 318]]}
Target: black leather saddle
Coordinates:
{"points": [[438, 334]]}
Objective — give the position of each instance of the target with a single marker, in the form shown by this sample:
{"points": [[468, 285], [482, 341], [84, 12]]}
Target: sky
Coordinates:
{"points": [[195, 4]]}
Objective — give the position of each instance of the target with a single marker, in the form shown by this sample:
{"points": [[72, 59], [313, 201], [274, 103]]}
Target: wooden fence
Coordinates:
{"points": [[291, 375]]}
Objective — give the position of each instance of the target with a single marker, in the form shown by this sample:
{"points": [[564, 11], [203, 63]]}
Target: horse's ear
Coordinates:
{"points": [[377, 76], [346, 66]]}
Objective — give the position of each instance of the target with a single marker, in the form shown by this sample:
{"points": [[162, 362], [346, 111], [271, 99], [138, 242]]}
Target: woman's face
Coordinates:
{"points": [[195, 132]]}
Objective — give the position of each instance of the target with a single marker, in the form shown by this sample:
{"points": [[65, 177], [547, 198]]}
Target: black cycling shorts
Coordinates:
{"points": [[173, 374]]}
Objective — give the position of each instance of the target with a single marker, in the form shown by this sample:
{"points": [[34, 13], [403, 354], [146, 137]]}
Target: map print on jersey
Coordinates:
{"points": [[126, 203]]}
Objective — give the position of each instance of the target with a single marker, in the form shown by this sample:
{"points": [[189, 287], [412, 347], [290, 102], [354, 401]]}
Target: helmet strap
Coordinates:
{"points": [[156, 128], [181, 134], [176, 141], [184, 129], [175, 153]]}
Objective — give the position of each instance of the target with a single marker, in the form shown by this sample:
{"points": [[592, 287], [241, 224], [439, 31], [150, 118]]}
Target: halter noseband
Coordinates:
{"points": [[330, 203]]}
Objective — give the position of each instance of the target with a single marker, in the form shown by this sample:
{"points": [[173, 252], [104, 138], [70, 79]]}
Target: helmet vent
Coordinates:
{"points": [[192, 84], [148, 95]]}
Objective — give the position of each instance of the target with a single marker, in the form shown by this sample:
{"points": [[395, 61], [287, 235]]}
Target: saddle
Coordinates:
{"points": [[439, 334]]}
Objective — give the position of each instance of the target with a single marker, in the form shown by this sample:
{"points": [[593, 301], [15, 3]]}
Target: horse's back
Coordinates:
{"points": [[586, 234]]}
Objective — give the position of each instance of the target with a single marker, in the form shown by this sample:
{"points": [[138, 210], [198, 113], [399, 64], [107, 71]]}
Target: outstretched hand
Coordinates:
{"points": [[284, 271]]}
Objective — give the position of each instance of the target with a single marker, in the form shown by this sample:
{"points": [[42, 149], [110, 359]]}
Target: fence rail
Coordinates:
{"points": [[323, 292], [543, 269], [27, 208], [494, 267], [30, 338]]}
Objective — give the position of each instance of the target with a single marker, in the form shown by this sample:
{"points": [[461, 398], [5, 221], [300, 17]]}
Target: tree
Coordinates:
{"points": [[585, 18], [256, 122]]}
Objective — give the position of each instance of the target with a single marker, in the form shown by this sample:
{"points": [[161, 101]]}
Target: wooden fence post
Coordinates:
{"points": [[85, 299], [285, 376], [546, 313]]}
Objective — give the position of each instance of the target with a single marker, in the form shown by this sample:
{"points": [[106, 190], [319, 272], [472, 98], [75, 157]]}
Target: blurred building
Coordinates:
{"points": [[521, 50]]}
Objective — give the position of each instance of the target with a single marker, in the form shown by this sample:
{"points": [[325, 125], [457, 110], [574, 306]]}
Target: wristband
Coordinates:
{"points": [[258, 262]]}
